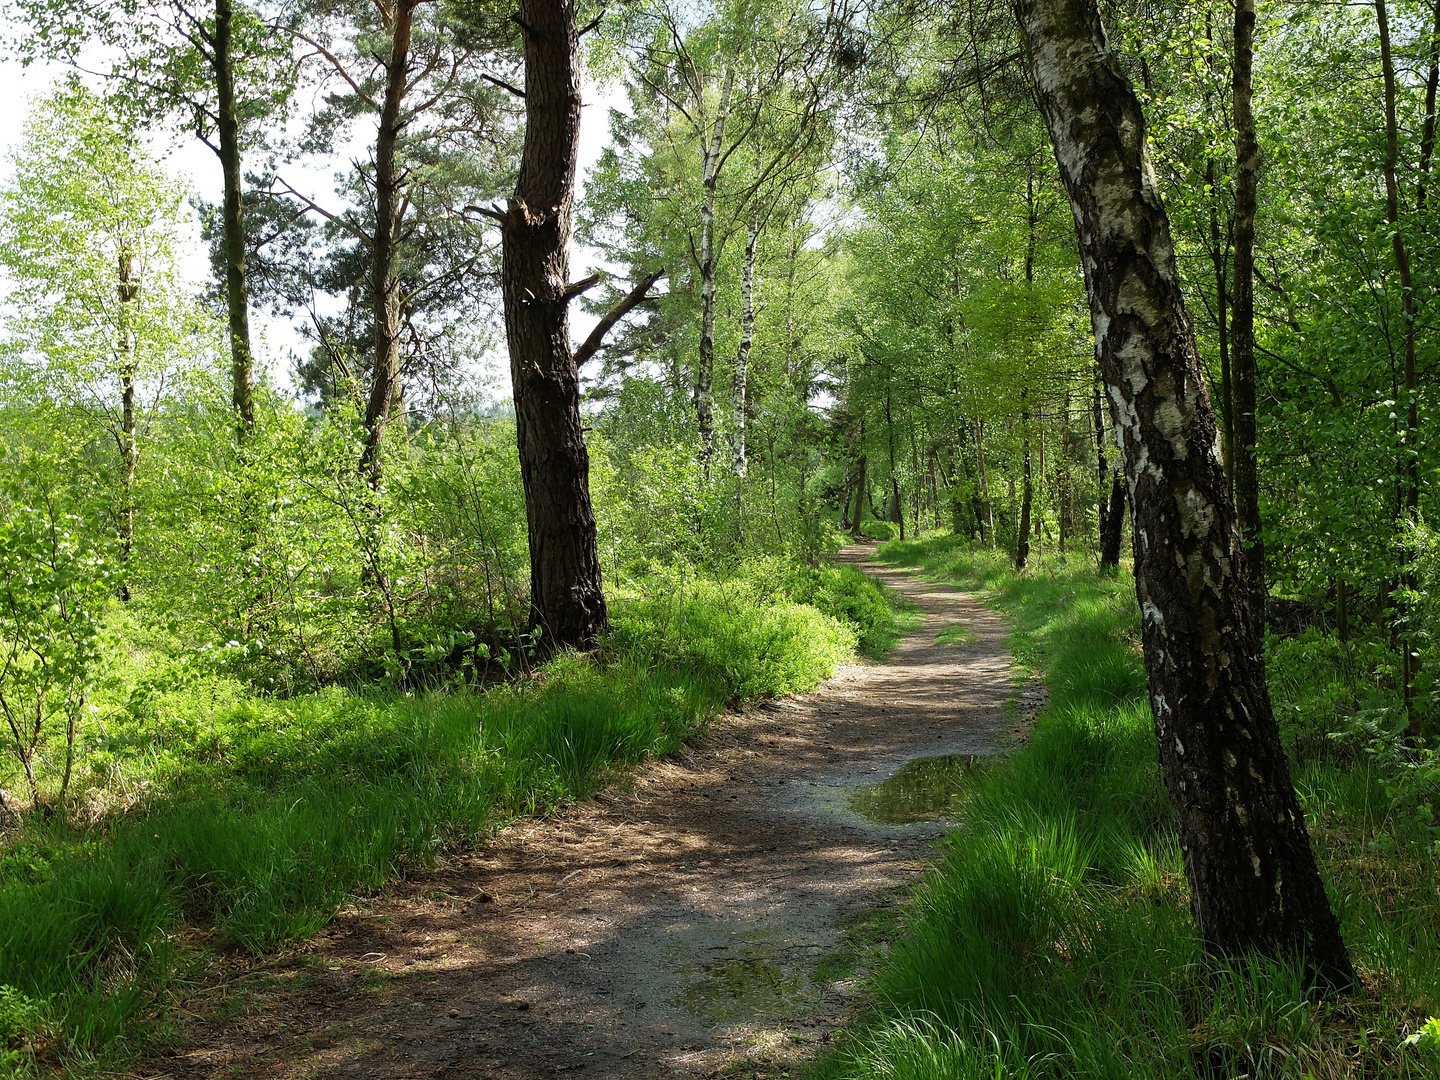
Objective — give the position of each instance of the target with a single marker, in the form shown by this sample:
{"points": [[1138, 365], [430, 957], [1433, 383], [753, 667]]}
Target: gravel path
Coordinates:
{"points": [[669, 928]]}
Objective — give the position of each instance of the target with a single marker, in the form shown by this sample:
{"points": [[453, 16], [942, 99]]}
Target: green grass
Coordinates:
{"points": [[955, 634], [1055, 940], [204, 807]]}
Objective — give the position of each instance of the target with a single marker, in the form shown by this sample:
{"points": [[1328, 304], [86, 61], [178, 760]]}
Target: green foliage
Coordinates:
{"points": [[23, 1023], [53, 588], [1055, 937]]}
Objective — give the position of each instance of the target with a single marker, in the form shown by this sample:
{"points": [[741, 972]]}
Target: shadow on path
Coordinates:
{"points": [[669, 927]]}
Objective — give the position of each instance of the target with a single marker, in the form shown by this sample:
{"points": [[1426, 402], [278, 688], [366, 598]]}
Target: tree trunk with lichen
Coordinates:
{"points": [[1253, 881]]}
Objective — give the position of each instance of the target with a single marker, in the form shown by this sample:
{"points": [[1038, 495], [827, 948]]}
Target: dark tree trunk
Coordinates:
{"points": [[1246, 467], [986, 508], [1253, 882], [566, 601], [1027, 492], [384, 284], [237, 297], [1110, 539], [897, 516], [1427, 128], [859, 493], [1409, 463], [128, 289], [1111, 511]]}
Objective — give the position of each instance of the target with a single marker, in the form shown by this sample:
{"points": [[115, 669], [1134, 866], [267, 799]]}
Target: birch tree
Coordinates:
{"points": [[1253, 881], [99, 321]]}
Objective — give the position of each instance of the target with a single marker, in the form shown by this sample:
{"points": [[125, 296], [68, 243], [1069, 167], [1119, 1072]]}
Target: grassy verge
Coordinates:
{"points": [[211, 813], [1054, 939]]}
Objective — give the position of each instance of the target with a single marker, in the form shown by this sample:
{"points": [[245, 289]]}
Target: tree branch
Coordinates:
{"points": [[503, 84], [575, 288], [636, 297]]}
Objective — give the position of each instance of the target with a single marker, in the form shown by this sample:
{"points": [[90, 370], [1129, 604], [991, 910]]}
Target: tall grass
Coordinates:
{"points": [[1054, 939], [251, 818]]}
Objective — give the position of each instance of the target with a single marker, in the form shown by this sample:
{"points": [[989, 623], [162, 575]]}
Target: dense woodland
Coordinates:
{"points": [[250, 606]]}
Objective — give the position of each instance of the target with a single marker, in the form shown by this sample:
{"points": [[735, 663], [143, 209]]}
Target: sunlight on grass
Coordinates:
{"points": [[1055, 938]]}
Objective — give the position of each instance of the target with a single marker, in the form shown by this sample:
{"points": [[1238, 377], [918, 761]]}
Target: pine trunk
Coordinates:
{"points": [[1253, 881], [709, 276], [384, 284], [237, 300], [566, 602]]}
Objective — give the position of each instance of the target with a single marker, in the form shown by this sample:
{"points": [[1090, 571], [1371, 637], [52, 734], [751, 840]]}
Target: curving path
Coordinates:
{"points": [[669, 928]]}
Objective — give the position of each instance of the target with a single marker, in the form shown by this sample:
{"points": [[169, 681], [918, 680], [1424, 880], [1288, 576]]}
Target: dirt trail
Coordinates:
{"points": [[672, 929]]}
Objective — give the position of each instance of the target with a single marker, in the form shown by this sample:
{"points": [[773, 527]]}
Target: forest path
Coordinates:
{"points": [[670, 927]]}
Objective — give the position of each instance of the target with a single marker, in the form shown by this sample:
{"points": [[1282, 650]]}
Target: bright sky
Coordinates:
{"points": [[192, 163]]}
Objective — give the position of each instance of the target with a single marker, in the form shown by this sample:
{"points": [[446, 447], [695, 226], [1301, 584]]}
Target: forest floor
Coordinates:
{"points": [[693, 920]]}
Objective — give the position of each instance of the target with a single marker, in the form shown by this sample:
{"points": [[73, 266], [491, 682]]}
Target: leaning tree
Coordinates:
{"points": [[1254, 886]]}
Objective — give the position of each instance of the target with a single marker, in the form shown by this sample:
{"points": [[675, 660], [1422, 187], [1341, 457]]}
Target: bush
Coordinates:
{"points": [[880, 530], [54, 584], [725, 632]]}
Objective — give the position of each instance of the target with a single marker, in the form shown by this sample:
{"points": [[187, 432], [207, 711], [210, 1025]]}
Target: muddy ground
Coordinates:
{"points": [[686, 923]]}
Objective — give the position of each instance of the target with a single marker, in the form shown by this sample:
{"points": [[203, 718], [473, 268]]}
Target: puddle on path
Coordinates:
{"points": [[750, 988], [923, 789]]}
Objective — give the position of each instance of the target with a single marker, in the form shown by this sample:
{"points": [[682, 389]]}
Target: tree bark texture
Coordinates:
{"points": [[1246, 469], [128, 291], [742, 354], [384, 284], [1027, 490], [709, 274], [237, 297], [566, 601], [1253, 882]]}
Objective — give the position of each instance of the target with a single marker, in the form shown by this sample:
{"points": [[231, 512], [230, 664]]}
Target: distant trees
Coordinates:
{"points": [[99, 319], [401, 242], [215, 72], [732, 120]]}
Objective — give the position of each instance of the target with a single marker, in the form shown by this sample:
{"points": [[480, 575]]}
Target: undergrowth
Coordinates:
{"points": [[1055, 940], [250, 818]]}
